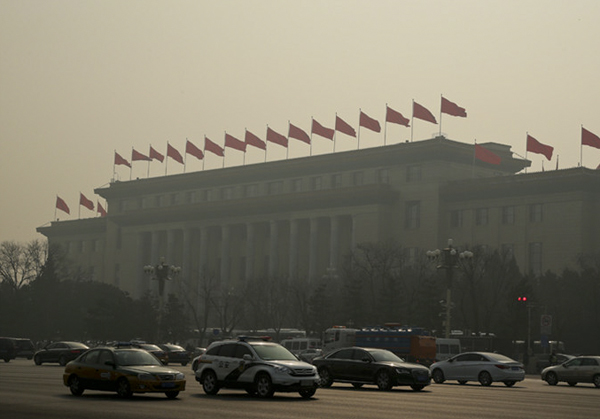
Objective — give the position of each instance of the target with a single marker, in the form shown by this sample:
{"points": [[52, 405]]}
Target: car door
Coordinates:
{"points": [[104, 371], [225, 362], [456, 368], [569, 371], [362, 367], [587, 370], [85, 368], [52, 351], [341, 364]]}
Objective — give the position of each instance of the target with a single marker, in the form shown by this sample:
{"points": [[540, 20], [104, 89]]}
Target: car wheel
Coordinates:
{"points": [[509, 383], [307, 393], [172, 394], [572, 383], [596, 380], [417, 387], [75, 386], [485, 379], [264, 385], [209, 383], [438, 376], [462, 382], [194, 366], [357, 385], [383, 380], [326, 380], [551, 378], [124, 388], [6, 359], [62, 360], [251, 391], [183, 364], [38, 360]]}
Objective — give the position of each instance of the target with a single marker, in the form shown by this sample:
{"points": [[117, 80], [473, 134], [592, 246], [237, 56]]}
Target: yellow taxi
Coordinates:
{"points": [[125, 371]]}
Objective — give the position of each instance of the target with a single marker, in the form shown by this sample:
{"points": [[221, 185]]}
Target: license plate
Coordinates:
{"points": [[306, 383], [168, 385], [515, 368]]}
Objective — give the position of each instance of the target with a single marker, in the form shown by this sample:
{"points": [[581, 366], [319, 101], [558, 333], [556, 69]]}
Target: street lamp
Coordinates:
{"points": [[161, 273], [447, 259]]}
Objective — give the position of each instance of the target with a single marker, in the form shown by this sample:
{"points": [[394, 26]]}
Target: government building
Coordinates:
{"points": [[296, 219]]}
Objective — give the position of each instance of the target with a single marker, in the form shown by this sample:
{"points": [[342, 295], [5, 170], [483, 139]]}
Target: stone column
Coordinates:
{"points": [[294, 227], [273, 249], [334, 242], [154, 257], [313, 249], [250, 250], [225, 254]]}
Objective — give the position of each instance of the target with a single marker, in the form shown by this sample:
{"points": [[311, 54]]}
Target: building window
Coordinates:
{"points": [[173, 199], [535, 258], [383, 176], [316, 183], [297, 185], [413, 214], [251, 191], [508, 215], [481, 216], [536, 213], [227, 193], [358, 178], [413, 173], [336, 181], [456, 218], [275, 188]]}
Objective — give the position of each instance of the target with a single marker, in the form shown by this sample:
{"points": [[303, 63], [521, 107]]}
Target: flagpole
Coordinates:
{"points": [[287, 151], [55, 208], [526, 148], [581, 149], [167, 159], [385, 126], [358, 139], [312, 121], [441, 96], [334, 133], [204, 152], [473, 164], [114, 165], [185, 158], [79, 206], [412, 119], [130, 167], [266, 143]]}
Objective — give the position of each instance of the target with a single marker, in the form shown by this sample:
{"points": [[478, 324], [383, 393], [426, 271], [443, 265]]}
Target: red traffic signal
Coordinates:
{"points": [[522, 299]]}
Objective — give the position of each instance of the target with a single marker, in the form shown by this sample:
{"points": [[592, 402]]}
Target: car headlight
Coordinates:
{"points": [[282, 369], [403, 371], [179, 376], [145, 377]]}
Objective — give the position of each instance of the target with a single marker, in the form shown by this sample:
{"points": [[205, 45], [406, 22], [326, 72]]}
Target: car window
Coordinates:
{"points": [[241, 350], [462, 358], [385, 356], [105, 356], [359, 355], [274, 352], [227, 350], [343, 354], [574, 362], [589, 362], [214, 350], [90, 357]]}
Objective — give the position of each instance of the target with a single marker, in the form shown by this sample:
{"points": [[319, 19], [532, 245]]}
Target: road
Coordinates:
{"points": [[30, 391]]}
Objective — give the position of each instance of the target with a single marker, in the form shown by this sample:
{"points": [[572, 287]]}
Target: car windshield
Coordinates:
{"points": [[385, 356], [274, 353], [136, 358], [499, 358]]}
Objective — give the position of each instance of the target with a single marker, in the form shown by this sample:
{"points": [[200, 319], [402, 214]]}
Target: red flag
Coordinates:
{"points": [[174, 154], [396, 117], [121, 160], [62, 205], [342, 126], [321, 130], [190, 148], [275, 137], [85, 202], [535, 146], [136, 155], [213, 147], [486, 155], [156, 155], [298, 134], [421, 112], [101, 210], [589, 138], [253, 140], [368, 122], [452, 108], [232, 142]]}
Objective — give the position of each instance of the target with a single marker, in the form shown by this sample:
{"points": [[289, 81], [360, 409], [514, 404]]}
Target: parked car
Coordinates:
{"points": [[25, 348], [8, 349], [124, 370], [582, 369], [176, 354], [559, 359], [61, 352], [260, 367], [161, 354], [360, 366], [198, 352], [485, 367]]}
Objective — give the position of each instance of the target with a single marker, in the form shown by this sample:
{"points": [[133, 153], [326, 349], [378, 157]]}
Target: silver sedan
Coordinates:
{"points": [[485, 367], [583, 369]]}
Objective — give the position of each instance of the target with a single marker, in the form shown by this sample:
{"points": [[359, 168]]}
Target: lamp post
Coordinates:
{"points": [[161, 272], [447, 259]]}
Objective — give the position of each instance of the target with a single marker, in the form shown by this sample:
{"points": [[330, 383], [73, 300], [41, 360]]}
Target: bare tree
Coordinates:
{"points": [[21, 263]]}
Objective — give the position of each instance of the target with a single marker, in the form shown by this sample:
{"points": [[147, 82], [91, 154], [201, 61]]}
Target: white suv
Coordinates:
{"points": [[257, 366]]}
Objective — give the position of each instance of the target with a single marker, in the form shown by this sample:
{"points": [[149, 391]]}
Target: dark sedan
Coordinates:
{"points": [[176, 354], [360, 366], [61, 352]]}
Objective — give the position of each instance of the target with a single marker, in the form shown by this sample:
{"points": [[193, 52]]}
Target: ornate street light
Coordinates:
{"points": [[447, 259], [161, 273]]}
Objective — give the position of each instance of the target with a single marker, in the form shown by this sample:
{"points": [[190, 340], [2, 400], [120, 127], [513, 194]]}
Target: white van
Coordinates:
{"points": [[305, 348], [446, 348]]}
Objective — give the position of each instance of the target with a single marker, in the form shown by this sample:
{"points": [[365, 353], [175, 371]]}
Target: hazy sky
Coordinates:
{"points": [[80, 79]]}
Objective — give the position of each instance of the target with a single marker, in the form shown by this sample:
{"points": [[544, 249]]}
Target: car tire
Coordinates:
{"points": [[357, 385], [383, 380], [326, 380], [509, 383], [172, 394], [462, 382], [209, 383], [438, 376], [307, 393], [38, 360], [485, 378], [417, 387], [62, 361], [183, 364], [75, 386], [596, 380], [194, 366], [552, 378], [6, 359], [124, 388], [572, 383], [264, 385]]}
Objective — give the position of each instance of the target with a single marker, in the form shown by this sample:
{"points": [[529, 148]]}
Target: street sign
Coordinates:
{"points": [[546, 324]]}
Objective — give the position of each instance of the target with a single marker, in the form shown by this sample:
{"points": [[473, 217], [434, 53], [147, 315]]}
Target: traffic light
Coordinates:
{"points": [[522, 299]]}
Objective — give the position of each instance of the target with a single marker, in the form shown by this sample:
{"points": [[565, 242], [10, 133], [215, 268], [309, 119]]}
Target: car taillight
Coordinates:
{"points": [[502, 367]]}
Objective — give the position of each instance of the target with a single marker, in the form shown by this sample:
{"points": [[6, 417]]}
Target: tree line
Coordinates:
{"points": [[43, 297]]}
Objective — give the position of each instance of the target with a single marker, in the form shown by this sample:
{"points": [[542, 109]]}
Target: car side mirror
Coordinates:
{"points": [[247, 357], [367, 360]]}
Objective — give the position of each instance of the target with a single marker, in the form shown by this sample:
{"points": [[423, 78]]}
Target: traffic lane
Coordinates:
{"points": [[29, 391]]}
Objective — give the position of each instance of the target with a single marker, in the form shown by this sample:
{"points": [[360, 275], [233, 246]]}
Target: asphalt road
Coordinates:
{"points": [[30, 391]]}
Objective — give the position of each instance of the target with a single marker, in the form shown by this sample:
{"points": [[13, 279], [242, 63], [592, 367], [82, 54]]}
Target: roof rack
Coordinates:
{"points": [[254, 338]]}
